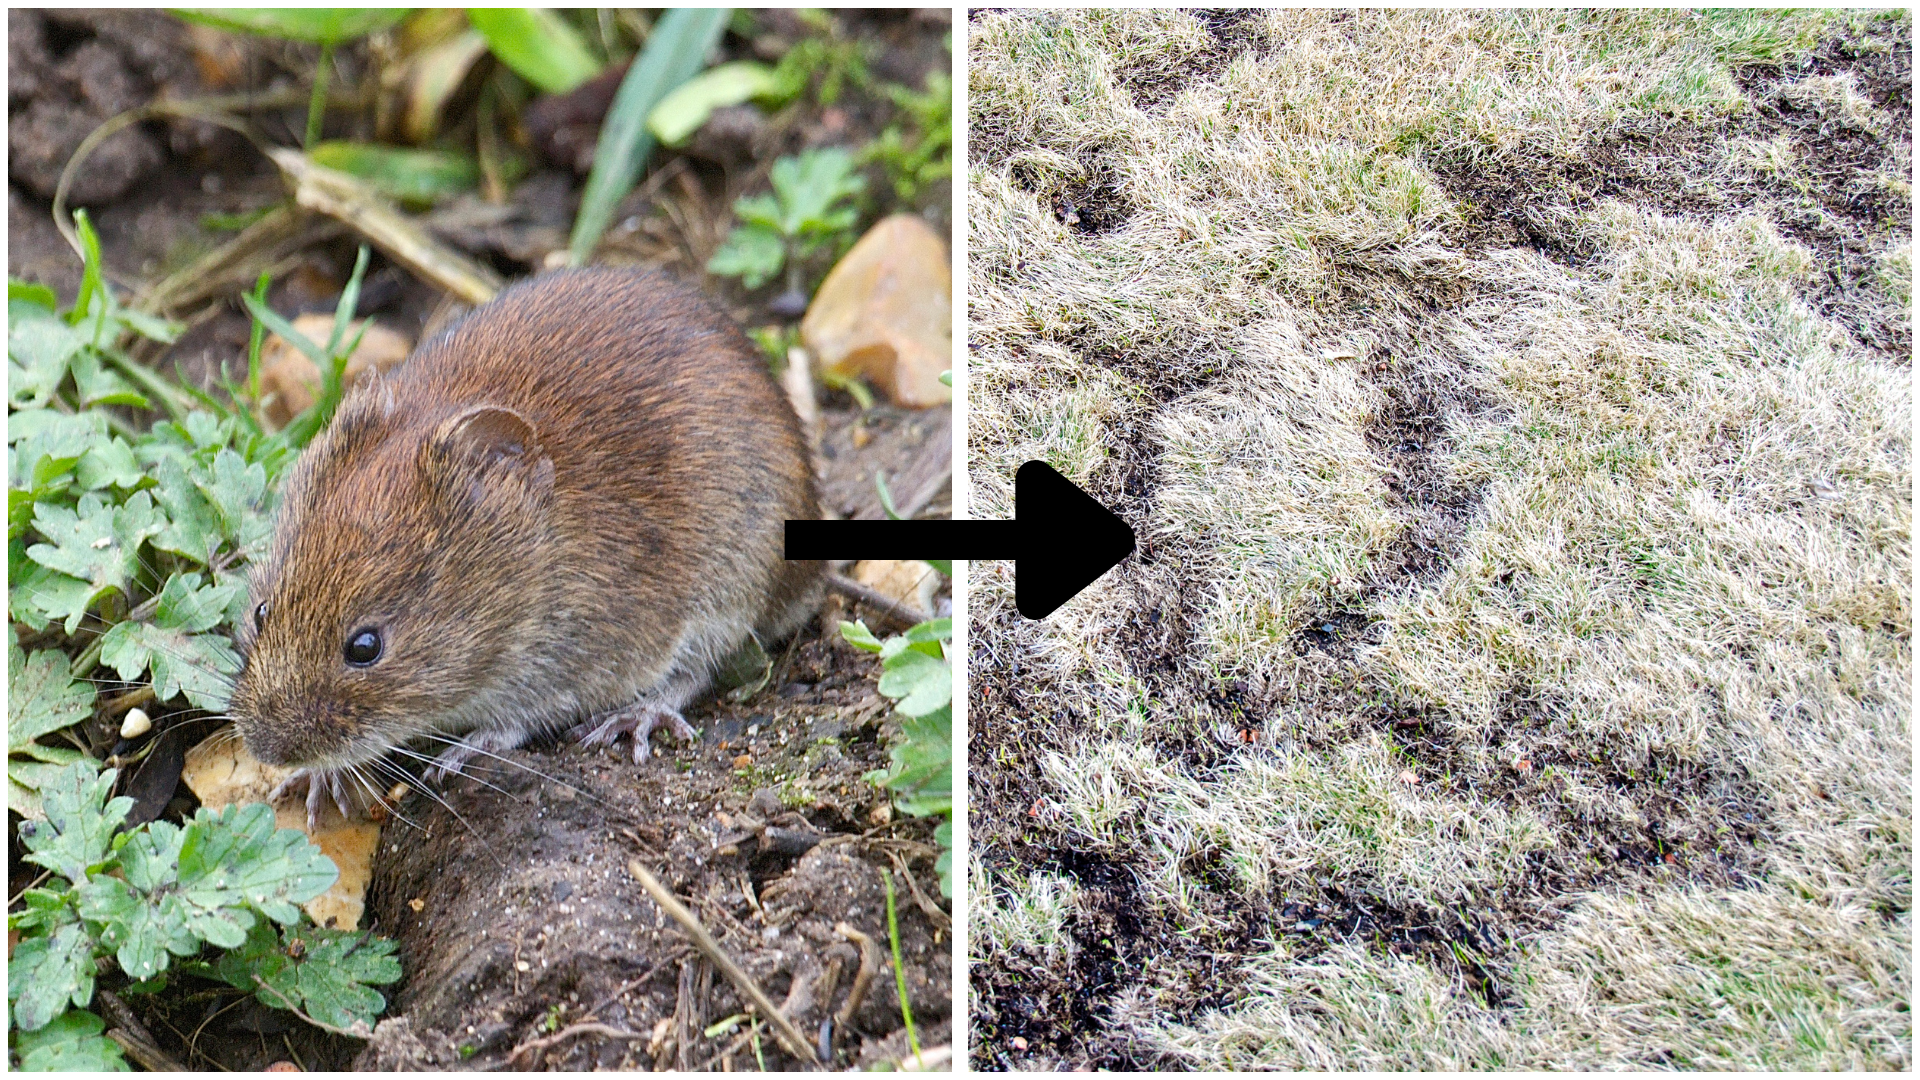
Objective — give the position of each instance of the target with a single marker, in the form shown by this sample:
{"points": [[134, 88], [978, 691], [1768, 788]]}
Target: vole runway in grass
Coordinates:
{"points": [[562, 512]]}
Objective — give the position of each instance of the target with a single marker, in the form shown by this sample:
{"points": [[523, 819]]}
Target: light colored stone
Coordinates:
{"points": [[289, 381], [885, 312], [220, 772]]}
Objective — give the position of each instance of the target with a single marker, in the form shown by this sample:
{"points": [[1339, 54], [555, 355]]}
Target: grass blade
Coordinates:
{"points": [[675, 52], [538, 45]]}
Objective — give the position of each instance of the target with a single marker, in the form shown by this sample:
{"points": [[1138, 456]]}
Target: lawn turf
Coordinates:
{"points": [[1515, 410]]}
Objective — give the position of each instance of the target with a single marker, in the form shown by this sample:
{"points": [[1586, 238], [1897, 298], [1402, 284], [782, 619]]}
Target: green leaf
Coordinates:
{"points": [[752, 254], [284, 330], [183, 658], [921, 682], [331, 981], [142, 920], [94, 542], [945, 566], [70, 1042], [32, 767], [48, 974], [39, 349], [77, 834], [675, 50], [237, 856], [234, 488], [100, 385], [193, 527], [931, 630], [538, 45], [144, 934], [317, 26], [808, 186], [43, 910], [109, 464], [43, 595], [682, 112], [759, 210], [42, 695], [28, 292], [857, 634], [411, 176]]}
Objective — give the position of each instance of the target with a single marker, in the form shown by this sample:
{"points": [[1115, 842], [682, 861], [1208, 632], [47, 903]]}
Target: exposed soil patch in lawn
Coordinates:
{"points": [[1155, 81], [1091, 203], [1620, 819], [1829, 197]]}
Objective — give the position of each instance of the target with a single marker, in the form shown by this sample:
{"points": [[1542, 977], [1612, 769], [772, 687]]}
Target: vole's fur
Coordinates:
{"points": [[567, 507]]}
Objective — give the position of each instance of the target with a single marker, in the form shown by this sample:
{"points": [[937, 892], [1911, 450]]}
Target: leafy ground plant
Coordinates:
{"points": [[148, 895], [808, 211], [918, 676], [124, 550]]}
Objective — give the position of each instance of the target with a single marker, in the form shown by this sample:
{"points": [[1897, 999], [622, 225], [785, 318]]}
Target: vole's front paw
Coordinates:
{"points": [[640, 718], [453, 760], [319, 782]]}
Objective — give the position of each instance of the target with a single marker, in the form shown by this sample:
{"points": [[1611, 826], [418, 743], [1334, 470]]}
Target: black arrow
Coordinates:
{"points": [[1060, 539]]}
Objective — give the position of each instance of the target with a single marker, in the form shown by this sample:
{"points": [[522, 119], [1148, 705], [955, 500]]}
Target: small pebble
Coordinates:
{"points": [[136, 724]]}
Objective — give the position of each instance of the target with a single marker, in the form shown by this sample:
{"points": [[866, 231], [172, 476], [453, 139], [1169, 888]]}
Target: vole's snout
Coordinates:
{"points": [[293, 733]]}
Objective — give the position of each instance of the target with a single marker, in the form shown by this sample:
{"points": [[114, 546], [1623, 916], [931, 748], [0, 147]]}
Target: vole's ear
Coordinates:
{"points": [[486, 453]]}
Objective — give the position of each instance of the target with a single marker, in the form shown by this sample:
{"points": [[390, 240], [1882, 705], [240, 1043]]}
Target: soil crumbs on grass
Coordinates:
{"points": [[1519, 633]]}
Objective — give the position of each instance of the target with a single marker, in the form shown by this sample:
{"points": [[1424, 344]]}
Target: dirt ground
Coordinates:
{"points": [[516, 914], [1116, 935]]}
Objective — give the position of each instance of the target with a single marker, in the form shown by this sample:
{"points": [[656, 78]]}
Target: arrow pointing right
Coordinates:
{"points": [[1061, 539]]}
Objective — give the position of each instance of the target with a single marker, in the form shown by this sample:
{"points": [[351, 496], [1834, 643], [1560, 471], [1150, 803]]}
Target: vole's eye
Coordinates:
{"points": [[260, 616], [364, 647]]}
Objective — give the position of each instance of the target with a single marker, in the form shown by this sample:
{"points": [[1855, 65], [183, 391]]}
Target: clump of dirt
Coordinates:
{"points": [[1831, 199], [1092, 203]]}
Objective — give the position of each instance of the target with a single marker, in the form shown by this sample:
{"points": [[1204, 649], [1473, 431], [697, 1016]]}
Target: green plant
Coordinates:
{"points": [[147, 895], [806, 212], [538, 45], [915, 160], [156, 892], [326, 27], [674, 53], [826, 58], [129, 541], [918, 676], [132, 539]]}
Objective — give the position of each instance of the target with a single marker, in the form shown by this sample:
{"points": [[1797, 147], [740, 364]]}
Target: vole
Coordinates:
{"points": [[562, 512]]}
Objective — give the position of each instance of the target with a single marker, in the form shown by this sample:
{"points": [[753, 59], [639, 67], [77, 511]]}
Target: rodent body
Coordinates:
{"points": [[568, 506]]}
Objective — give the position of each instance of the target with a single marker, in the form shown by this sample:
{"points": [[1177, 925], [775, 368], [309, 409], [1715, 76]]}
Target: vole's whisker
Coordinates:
{"points": [[383, 765], [519, 765], [462, 772], [485, 844]]}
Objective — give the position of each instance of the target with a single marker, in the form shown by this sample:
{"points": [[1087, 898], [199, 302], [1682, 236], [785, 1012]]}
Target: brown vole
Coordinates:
{"points": [[567, 509]]}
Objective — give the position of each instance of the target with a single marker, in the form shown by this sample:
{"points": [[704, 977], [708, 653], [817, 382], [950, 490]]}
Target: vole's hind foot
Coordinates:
{"points": [[320, 783], [640, 718]]}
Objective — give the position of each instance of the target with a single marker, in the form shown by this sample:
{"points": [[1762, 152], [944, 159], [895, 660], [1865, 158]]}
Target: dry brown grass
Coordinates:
{"points": [[1515, 409]]}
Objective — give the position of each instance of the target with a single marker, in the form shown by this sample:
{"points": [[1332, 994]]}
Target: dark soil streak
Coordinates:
{"points": [[1155, 82], [1836, 206]]}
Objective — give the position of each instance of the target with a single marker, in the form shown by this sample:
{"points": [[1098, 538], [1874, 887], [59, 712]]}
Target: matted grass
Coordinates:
{"points": [[1515, 410]]}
